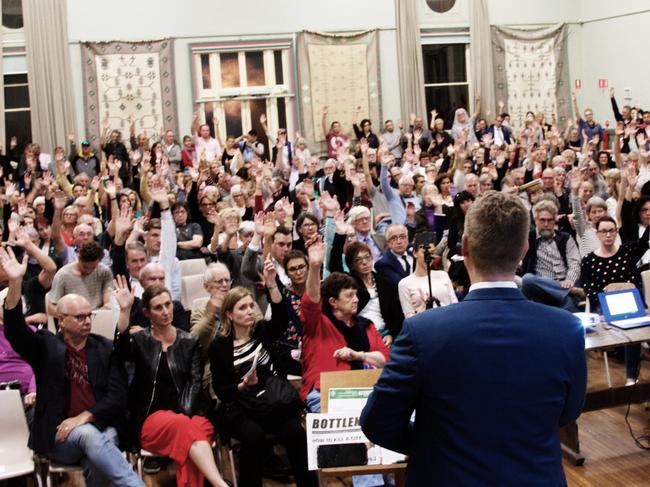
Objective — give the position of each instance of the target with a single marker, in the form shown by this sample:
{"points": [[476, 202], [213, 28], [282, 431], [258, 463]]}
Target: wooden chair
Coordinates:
{"points": [[354, 378]]}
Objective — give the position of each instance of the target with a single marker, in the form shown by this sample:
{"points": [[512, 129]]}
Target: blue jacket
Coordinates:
{"points": [[491, 380]]}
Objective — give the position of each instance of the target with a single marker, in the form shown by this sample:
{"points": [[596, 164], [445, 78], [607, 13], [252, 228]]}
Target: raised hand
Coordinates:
{"points": [[157, 190], [269, 272], [14, 270], [124, 221], [259, 223], [339, 220], [316, 252], [60, 199], [22, 238], [263, 118], [611, 92], [123, 295]]}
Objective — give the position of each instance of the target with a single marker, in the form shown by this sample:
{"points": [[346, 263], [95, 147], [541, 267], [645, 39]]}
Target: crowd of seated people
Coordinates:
{"points": [[312, 265]]}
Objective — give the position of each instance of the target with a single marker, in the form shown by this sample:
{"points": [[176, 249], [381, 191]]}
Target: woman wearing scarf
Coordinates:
{"points": [[464, 124]]}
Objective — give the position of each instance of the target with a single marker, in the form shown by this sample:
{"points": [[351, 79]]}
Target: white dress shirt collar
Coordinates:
{"points": [[492, 285]]}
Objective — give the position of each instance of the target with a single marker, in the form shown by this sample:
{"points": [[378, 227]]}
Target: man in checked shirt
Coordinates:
{"points": [[551, 267]]}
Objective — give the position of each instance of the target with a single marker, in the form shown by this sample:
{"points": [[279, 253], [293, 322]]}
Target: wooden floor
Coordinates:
{"points": [[612, 459]]}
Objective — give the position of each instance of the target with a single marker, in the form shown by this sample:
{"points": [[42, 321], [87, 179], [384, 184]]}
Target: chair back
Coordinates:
{"points": [[104, 323], [192, 267], [191, 289], [17, 458]]}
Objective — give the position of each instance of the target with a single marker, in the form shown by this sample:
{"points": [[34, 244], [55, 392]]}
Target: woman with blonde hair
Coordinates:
{"points": [[255, 399]]}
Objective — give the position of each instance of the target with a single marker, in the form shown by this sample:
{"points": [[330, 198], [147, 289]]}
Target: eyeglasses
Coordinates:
{"points": [[297, 268], [363, 258], [81, 316], [223, 281], [362, 219], [607, 233], [395, 238], [207, 205], [309, 225]]}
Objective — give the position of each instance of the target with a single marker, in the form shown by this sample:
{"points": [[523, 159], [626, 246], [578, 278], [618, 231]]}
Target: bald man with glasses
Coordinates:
{"points": [[82, 393]]}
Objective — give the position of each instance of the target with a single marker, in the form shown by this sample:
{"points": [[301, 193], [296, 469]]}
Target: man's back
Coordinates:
{"points": [[491, 379]]}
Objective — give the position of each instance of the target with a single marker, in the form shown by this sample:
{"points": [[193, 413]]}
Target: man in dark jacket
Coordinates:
{"points": [[81, 390]]}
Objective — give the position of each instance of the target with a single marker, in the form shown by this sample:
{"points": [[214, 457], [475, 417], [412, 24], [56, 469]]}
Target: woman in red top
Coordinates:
{"points": [[334, 336]]}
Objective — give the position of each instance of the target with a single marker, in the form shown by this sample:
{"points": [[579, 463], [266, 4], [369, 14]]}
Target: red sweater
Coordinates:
{"points": [[319, 342]]}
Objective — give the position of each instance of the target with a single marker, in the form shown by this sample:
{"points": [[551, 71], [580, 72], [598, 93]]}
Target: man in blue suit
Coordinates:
{"points": [[491, 379], [500, 134], [393, 266]]}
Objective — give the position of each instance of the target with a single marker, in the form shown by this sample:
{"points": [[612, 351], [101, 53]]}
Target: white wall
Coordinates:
{"points": [[605, 40], [608, 48], [220, 20]]}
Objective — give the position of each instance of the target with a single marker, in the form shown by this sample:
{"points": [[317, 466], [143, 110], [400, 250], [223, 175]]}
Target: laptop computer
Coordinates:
{"points": [[624, 309]]}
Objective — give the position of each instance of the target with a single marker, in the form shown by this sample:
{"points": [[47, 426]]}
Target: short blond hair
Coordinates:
{"points": [[497, 226]]}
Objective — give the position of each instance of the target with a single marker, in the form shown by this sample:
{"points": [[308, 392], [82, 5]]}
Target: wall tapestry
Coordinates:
{"points": [[124, 79], [341, 72], [532, 72]]}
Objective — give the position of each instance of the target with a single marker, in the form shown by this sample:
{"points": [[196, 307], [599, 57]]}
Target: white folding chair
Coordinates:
{"points": [[104, 321], [191, 289], [192, 267], [17, 459]]}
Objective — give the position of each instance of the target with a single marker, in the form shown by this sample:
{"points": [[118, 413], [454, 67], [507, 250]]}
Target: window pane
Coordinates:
{"points": [[255, 68], [229, 70], [446, 99], [13, 79], [282, 114], [12, 14], [16, 97], [444, 63], [258, 107], [233, 117], [20, 125], [205, 71], [208, 110], [441, 6], [279, 75]]}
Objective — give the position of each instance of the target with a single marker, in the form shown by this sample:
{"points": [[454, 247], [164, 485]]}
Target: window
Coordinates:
{"points": [[238, 85], [446, 78], [17, 112], [12, 14], [441, 6]]}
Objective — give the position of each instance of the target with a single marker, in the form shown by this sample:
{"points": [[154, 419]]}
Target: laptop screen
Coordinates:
{"points": [[621, 303]]}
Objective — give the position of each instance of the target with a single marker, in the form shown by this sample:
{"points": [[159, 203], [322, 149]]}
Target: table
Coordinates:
{"points": [[603, 338]]}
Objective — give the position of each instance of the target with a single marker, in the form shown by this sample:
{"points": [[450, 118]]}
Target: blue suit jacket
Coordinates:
{"points": [[491, 380], [389, 272]]}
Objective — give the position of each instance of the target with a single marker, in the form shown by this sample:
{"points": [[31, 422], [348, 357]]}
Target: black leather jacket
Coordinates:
{"points": [[184, 360]]}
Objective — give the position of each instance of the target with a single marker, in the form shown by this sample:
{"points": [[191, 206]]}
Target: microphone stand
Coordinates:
{"points": [[431, 299]]}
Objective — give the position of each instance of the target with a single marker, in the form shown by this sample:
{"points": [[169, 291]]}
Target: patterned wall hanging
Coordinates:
{"points": [[532, 72], [124, 79]]}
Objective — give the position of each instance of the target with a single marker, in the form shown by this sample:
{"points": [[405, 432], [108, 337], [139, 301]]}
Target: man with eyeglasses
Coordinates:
{"points": [[206, 321], [394, 265], [82, 393], [551, 265], [359, 218]]}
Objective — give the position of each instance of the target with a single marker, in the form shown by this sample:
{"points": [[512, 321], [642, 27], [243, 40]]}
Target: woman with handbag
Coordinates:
{"points": [[255, 399], [164, 392]]}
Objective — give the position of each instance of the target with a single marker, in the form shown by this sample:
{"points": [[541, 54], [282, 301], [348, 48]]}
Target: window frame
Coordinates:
{"points": [[443, 38], [270, 91]]}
